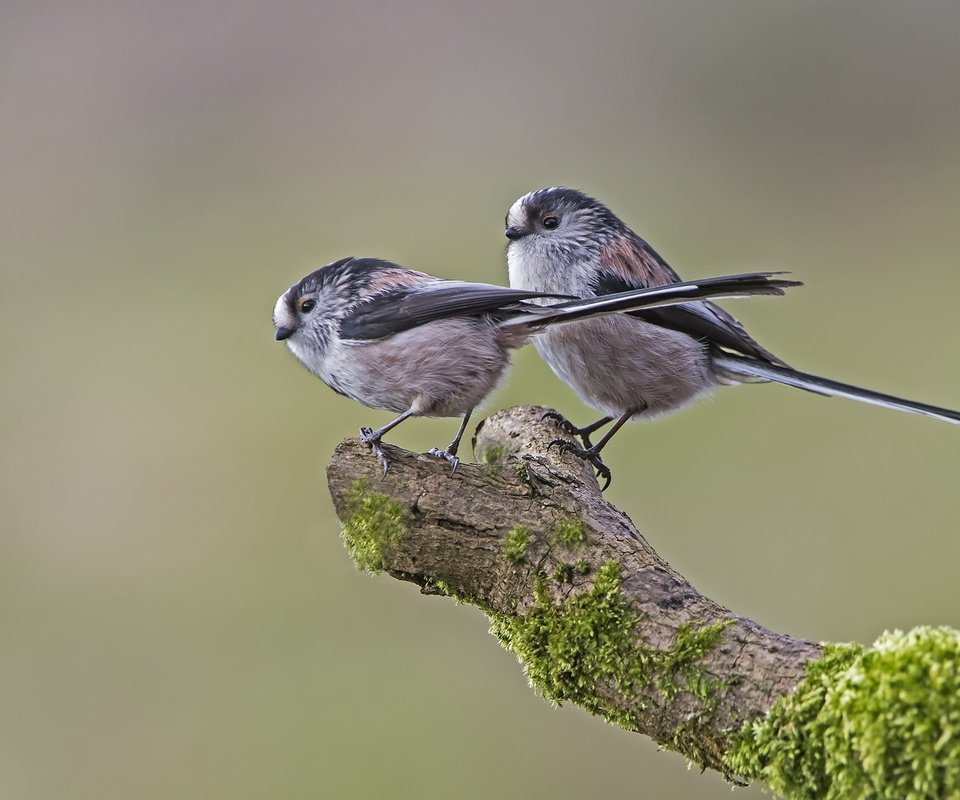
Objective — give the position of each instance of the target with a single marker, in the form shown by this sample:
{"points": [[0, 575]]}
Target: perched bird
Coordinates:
{"points": [[400, 340], [650, 361]]}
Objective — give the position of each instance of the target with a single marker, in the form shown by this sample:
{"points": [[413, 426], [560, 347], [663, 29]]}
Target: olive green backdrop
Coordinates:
{"points": [[178, 617]]}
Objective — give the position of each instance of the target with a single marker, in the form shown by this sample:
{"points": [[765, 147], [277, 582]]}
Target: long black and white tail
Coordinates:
{"points": [[746, 367], [725, 287]]}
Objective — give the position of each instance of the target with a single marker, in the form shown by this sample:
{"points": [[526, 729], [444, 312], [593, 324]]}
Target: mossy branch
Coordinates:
{"points": [[597, 618]]}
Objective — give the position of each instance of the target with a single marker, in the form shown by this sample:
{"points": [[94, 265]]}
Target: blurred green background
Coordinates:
{"points": [[178, 616]]}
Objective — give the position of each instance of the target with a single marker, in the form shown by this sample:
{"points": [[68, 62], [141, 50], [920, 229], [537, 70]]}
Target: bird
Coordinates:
{"points": [[401, 340], [650, 361]]}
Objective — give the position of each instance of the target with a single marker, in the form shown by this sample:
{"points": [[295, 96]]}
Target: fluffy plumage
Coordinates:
{"points": [[404, 341], [653, 360]]}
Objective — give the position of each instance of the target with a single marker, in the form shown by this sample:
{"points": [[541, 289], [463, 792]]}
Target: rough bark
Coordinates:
{"points": [[457, 529]]}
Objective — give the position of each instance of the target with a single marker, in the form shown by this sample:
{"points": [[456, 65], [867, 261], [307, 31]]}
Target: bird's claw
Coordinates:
{"points": [[568, 427], [369, 437], [590, 455], [436, 452], [562, 422]]}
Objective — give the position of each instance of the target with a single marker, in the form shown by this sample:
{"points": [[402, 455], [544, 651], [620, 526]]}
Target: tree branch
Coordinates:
{"points": [[596, 616], [459, 538]]}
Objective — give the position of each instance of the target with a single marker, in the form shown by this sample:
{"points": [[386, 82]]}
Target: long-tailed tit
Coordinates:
{"points": [[650, 361], [400, 340]]}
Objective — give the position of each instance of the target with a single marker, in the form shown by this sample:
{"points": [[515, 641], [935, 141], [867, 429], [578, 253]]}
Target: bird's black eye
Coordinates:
{"points": [[306, 305], [550, 222]]}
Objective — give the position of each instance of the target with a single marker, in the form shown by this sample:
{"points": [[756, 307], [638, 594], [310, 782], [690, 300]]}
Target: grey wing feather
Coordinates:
{"points": [[709, 322], [399, 310], [701, 320]]}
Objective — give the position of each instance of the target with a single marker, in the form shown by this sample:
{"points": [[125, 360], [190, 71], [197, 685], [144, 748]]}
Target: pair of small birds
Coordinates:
{"points": [[605, 311]]}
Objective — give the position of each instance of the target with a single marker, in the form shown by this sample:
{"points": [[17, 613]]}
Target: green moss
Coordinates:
{"points": [[681, 667], [582, 566], [373, 525], [563, 573], [786, 749], [877, 723], [439, 586], [516, 544], [522, 472], [494, 454], [569, 531], [696, 738], [586, 649]]}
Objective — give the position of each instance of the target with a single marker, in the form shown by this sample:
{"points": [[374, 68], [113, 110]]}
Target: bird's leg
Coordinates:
{"points": [[372, 438], [450, 454], [592, 454], [584, 433]]}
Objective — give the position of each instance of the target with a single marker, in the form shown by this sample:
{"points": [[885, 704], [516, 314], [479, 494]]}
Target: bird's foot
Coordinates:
{"points": [[372, 438], [568, 427], [561, 421], [436, 452], [591, 455]]}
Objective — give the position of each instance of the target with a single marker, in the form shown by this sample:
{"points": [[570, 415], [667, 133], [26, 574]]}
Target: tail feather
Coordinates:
{"points": [[729, 286], [746, 367]]}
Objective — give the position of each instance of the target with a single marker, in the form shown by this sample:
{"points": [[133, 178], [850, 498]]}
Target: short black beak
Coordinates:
{"points": [[513, 233], [284, 333]]}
